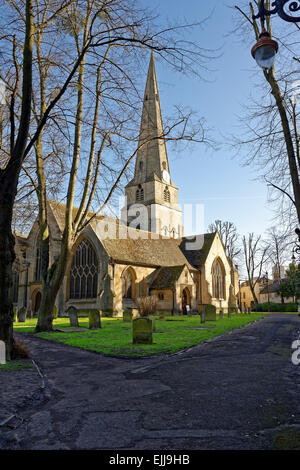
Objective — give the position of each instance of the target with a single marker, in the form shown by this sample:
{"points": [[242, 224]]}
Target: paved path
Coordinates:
{"points": [[240, 391]]}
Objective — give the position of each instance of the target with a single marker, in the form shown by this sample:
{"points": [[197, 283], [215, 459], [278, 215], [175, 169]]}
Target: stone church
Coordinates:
{"points": [[144, 253]]}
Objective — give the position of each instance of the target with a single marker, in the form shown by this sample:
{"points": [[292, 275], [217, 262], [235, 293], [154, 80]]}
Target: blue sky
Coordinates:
{"points": [[215, 178]]}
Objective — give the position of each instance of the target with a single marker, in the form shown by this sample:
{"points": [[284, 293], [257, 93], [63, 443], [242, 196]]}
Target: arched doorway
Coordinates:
{"points": [[186, 301], [36, 302]]}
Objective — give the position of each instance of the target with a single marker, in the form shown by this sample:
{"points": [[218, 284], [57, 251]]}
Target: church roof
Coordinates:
{"points": [[167, 277], [154, 253], [198, 257]]}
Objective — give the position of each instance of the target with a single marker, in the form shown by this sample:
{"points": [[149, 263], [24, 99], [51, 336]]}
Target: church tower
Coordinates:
{"points": [[152, 189]]}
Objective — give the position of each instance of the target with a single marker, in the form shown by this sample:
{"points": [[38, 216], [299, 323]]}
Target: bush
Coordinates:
{"points": [[290, 307], [20, 351], [146, 305]]}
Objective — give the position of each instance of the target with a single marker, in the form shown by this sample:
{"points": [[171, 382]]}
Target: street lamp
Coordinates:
{"points": [[265, 50]]}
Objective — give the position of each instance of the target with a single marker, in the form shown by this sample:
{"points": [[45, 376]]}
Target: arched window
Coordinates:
{"points": [[128, 284], [139, 196], [38, 270], [84, 272], [218, 280], [167, 196]]}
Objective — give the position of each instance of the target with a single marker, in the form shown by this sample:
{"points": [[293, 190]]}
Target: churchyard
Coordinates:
{"points": [[172, 334]]}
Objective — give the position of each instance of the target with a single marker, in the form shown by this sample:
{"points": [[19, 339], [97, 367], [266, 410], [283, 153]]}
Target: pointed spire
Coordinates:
{"points": [[152, 159]]}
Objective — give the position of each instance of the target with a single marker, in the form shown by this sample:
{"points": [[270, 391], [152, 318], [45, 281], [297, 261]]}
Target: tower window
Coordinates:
{"points": [[139, 195], [164, 165], [141, 165], [167, 196]]}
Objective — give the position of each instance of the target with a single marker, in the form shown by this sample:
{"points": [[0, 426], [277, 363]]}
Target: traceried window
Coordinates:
{"points": [[139, 194], [128, 284], [167, 196], [38, 270], [84, 272], [218, 280]]}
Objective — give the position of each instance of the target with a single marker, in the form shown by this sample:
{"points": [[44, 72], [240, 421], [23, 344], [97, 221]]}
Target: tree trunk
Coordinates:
{"points": [[50, 289], [7, 257]]}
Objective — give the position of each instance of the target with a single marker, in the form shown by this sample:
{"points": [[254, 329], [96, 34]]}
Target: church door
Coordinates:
{"points": [[186, 301]]}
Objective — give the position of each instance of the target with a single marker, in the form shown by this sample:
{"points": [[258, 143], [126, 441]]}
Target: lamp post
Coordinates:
{"points": [[265, 50]]}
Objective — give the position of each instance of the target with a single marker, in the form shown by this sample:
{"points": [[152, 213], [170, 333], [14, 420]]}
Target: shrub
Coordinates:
{"points": [[146, 305], [291, 307], [20, 351]]}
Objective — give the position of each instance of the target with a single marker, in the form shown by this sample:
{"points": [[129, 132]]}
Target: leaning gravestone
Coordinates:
{"points": [[22, 315], [210, 313], [94, 319], [127, 316], [73, 315], [142, 331]]}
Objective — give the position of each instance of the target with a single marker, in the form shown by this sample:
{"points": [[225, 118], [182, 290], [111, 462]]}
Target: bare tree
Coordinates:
{"points": [[229, 236], [94, 27], [255, 256]]}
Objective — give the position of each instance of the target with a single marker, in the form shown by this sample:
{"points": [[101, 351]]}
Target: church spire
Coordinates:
{"points": [[152, 158]]}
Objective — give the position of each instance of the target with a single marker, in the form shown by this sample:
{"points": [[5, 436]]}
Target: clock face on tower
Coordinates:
{"points": [[166, 176]]}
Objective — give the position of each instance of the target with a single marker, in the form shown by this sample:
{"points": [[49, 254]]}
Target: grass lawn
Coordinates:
{"points": [[13, 366], [115, 336]]}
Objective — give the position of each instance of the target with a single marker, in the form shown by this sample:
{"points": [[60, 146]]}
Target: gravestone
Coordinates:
{"points": [[73, 315], [55, 313], [15, 313], [127, 316], [203, 315], [29, 314], [161, 316], [221, 314], [229, 312], [249, 311], [142, 331], [94, 319], [22, 315], [153, 324], [2, 353], [210, 313]]}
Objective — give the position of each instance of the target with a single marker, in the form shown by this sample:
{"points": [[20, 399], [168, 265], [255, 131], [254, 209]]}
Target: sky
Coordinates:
{"points": [[215, 178]]}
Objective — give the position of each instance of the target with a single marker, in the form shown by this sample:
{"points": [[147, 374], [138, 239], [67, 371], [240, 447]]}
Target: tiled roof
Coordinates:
{"points": [[198, 257], [272, 288], [154, 253], [166, 277]]}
